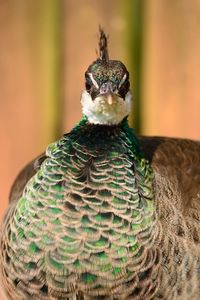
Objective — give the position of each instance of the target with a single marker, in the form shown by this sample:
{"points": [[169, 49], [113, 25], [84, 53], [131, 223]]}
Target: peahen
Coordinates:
{"points": [[104, 214]]}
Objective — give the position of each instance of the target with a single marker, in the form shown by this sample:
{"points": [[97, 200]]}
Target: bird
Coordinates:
{"points": [[104, 213]]}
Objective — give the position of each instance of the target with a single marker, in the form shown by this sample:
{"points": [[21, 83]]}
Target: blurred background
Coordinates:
{"points": [[46, 46]]}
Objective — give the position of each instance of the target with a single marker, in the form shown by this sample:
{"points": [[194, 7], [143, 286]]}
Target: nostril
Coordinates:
{"points": [[114, 88], [104, 88]]}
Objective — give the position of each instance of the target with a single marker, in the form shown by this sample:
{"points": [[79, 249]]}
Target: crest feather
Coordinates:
{"points": [[103, 45]]}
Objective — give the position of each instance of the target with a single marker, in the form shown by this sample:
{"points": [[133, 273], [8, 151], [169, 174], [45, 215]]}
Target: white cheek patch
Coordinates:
{"points": [[105, 110]]}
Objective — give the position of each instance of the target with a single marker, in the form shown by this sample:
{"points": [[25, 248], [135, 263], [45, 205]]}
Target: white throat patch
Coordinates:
{"points": [[104, 110]]}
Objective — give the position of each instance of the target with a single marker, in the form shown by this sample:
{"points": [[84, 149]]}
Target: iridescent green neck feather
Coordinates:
{"points": [[87, 215]]}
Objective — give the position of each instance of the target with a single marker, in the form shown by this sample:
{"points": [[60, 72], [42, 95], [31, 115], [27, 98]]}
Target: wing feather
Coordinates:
{"points": [[23, 177], [178, 160]]}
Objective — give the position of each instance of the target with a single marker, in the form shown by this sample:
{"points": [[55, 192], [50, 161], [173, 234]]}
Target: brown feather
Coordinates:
{"points": [[23, 177], [177, 160]]}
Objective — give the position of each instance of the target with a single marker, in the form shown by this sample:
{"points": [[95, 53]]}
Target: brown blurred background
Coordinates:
{"points": [[46, 46]]}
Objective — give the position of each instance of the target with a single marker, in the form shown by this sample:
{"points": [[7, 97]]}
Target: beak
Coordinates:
{"points": [[109, 91], [110, 98], [108, 87]]}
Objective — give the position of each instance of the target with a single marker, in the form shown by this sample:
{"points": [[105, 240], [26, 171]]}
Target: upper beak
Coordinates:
{"points": [[108, 90], [108, 87]]}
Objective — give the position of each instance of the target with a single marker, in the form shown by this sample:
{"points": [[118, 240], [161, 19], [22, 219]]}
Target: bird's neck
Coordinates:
{"points": [[109, 129]]}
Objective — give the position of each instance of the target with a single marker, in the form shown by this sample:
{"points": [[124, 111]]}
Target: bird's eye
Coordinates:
{"points": [[88, 82], [124, 88], [88, 86]]}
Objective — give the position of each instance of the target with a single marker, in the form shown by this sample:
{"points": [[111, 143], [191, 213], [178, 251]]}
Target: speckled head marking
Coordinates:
{"points": [[107, 99]]}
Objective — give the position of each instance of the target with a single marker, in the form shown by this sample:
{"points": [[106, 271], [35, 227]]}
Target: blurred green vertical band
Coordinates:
{"points": [[134, 14], [49, 52]]}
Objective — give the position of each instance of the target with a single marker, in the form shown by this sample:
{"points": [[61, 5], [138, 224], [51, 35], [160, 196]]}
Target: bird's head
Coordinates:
{"points": [[106, 98]]}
